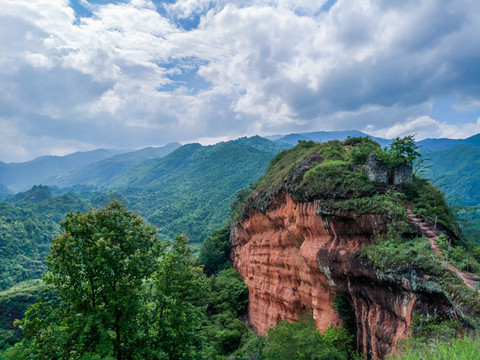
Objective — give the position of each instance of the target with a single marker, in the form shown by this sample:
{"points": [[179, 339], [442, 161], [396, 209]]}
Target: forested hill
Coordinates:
{"points": [[106, 172], [456, 171], [21, 176], [190, 190]]}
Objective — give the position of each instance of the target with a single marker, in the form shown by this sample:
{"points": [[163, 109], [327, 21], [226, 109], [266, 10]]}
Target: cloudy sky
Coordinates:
{"points": [[82, 74]]}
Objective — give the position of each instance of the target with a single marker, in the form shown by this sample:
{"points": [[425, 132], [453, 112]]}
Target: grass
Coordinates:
{"points": [[334, 179], [466, 348], [283, 163], [458, 256], [395, 251], [389, 204], [430, 203]]}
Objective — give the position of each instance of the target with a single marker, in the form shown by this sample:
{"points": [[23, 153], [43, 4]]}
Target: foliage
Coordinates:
{"points": [[343, 306], [469, 219], [403, 149], [174, 333], [430, 203], [283, 163], [389, 204], [432, 328], [335, 179], [459, 348], [301, 340], [98, 265], [238, 205], [226, 302], [26, 230], [214, 253], [190, 190], [459, 256], [457, 167], [361, 148], [13, 304], [396, 248]]}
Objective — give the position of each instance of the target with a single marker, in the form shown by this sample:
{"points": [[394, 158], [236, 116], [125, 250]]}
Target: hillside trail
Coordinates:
{"points": [[432, 234]]}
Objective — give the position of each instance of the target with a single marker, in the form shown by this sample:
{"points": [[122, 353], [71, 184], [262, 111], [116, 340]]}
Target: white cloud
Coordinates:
{"points": [[129, 75], [39, 61], [426, 127]]}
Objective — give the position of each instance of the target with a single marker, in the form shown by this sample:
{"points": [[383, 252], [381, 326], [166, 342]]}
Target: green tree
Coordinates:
{"points": [[176, 321], [301, 340], [215, 252], [98, 266], [404, 149]]}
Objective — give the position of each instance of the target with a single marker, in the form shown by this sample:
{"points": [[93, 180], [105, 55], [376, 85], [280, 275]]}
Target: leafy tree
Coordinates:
{"points": [[215, 252], [404, 149], [226, 302], [98, 265], [176, 321]]}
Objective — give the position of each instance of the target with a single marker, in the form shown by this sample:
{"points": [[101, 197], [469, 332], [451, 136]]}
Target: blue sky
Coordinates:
{"points": [[79, 75]]}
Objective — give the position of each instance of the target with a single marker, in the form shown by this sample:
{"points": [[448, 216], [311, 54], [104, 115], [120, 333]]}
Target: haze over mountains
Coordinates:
{"points": [[103, 167]]}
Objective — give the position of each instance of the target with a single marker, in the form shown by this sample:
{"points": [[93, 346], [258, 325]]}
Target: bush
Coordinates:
{"points": [[302, 341], [335, 179], [394, 249]]}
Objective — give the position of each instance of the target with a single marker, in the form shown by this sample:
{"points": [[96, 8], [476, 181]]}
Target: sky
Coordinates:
{"points": [[83, 74]]}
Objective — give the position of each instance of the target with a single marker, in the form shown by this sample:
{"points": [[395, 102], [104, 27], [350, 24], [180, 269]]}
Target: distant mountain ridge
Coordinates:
{"points": [[21, 176], [106, 171], [445, 143], [456, 171], [155, 169], [324, 136]]}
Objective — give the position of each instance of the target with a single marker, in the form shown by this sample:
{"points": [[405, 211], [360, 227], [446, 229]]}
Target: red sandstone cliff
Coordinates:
{"points": [[295, 260]]}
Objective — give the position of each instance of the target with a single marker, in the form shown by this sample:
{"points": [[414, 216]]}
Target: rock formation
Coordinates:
{"points": [[296, 255], [294, 260]]}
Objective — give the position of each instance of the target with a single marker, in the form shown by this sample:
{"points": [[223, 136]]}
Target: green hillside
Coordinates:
{"points": [[21, 176], [26, 231], [190, 190], [4, 192], [106, 172], [456, 171]]}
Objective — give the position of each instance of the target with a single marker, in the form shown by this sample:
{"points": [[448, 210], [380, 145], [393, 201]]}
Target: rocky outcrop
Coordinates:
{"points": [[296, 259]]}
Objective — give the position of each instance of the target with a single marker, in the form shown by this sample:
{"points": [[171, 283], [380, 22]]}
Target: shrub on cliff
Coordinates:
{"points": [[335, 179]]}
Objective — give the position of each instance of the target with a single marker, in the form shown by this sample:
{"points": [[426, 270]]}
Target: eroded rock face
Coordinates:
{"points": [[295, 260]]}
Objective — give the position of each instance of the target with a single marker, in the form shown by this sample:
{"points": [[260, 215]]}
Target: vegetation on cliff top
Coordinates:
{"points": [[335, 173]]}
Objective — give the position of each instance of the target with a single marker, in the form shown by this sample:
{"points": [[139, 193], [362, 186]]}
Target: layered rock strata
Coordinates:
{"points": [[295, 259]]}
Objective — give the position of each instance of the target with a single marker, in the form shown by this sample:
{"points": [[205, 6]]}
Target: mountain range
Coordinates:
{"points": [[103, 167]]}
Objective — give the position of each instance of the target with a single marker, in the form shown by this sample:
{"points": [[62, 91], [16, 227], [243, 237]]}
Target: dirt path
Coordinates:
{"points": [[432, 234]]}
